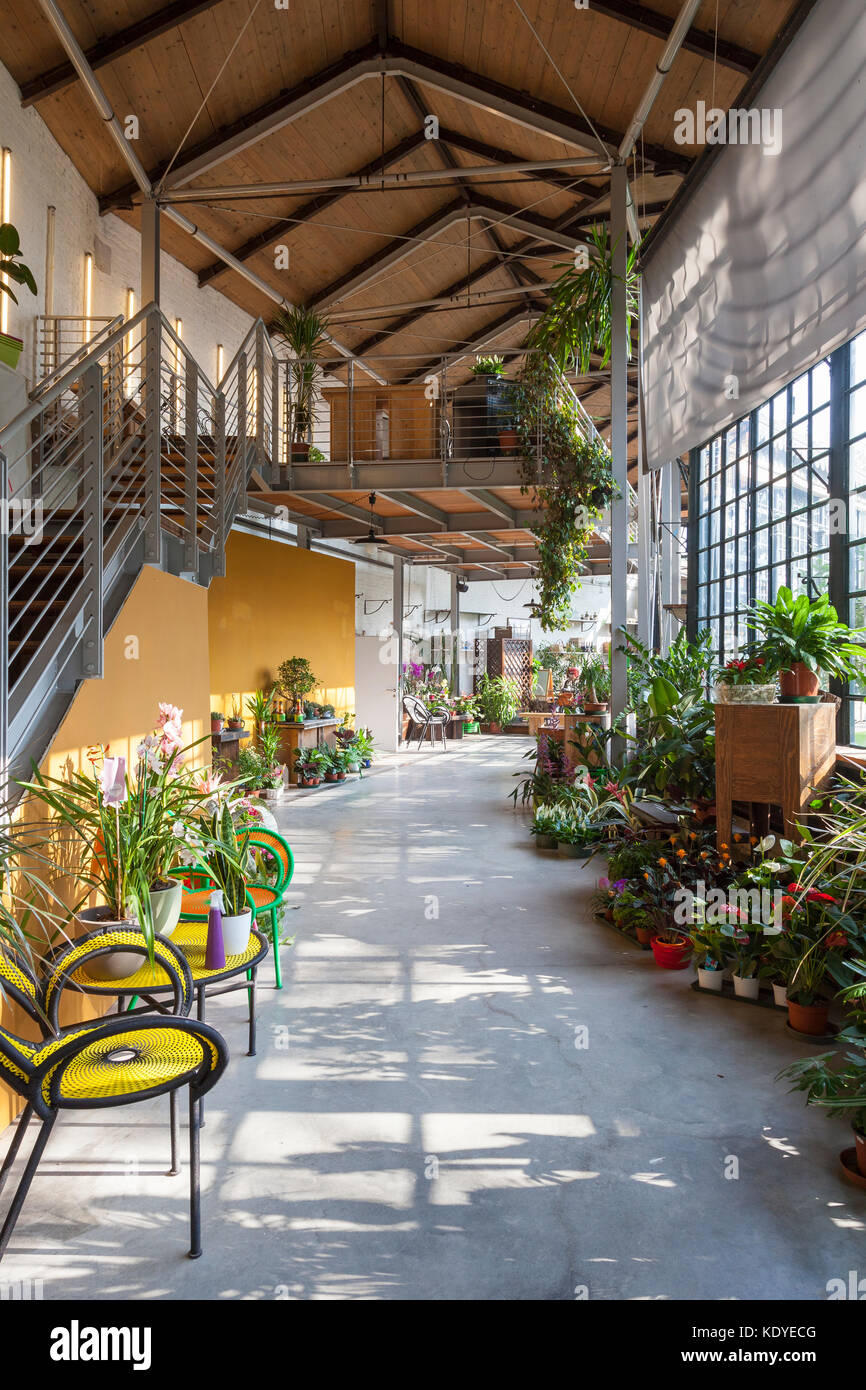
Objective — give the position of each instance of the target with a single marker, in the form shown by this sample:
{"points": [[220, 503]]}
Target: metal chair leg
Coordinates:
{"points": [[17, 1139], [252, 993], [194, 1177], [24, 1185], [175, 1134], [201, 1019], [278, 974]]}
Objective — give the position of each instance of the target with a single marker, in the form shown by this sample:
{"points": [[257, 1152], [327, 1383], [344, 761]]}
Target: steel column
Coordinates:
{"points": [[92, 520], [150, 252], [190, 471], [152, 439], [398, 575], [618, 447], [644, 554]]}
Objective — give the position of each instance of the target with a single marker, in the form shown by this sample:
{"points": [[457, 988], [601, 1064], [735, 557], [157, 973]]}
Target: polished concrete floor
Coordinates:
{"points": [[467, 1089]]}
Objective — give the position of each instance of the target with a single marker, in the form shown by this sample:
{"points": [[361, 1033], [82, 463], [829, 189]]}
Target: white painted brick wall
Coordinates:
{"points": [[43, 175]]}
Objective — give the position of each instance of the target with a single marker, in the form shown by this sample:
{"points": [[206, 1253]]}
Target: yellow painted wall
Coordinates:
{"points": [[168, 660], [278, 601]]}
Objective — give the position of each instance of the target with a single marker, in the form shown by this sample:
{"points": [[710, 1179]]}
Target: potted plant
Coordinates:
{"points": [[236, 719], [129, 832], [803, 637], [819, 933], [594, 677], [225, 860], [750, 680], [498, 698], [466, 709], [12, 268], [660, 889], [543, 827], [744, 951], [305, 332], [708, 952], [334, 764], [295, 678], [217, 720], [364, 748], [261, 706], [840, 1090], [309, 766]]}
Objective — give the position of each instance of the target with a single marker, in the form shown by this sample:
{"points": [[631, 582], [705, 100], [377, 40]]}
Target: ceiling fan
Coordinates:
{"points": [[371, 538]]}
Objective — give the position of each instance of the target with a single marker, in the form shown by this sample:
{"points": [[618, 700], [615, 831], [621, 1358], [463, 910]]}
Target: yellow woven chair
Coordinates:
{"points": [[104, 1062]]}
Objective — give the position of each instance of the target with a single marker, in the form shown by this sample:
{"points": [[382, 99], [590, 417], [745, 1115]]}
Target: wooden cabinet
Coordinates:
{"points": [[772, 755]]}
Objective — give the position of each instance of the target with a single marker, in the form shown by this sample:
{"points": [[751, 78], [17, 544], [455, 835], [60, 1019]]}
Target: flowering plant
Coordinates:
{"points": [[751, 670], [123, 831]]}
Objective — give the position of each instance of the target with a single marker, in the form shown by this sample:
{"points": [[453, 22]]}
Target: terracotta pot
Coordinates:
{"points": [[860, 1146], [309, 781], [237, 723], [494, 728], [644, 935], [595, 706], [508, 441], [672, 955], [332, 777], [216, 725], [798, 683], [808, 1018]]}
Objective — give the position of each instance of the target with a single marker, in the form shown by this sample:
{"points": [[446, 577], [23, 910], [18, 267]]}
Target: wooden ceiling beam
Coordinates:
{"points": [[399, 60], [490, 331], [702, 42], [262, 240], [490, 209], [118, 45]]}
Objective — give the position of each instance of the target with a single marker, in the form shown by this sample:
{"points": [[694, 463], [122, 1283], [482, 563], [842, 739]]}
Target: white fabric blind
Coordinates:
{"points": [[764, 268]]}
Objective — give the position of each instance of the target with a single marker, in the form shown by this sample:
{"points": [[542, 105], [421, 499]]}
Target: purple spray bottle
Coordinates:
{"points": [[215, 951]]}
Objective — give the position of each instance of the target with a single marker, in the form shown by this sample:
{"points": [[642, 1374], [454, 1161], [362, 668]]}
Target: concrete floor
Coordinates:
{"points": [[423, 1119]]}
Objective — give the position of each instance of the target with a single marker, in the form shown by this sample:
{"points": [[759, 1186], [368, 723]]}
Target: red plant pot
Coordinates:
{"points": [[808, 1018], [798, 683], [671, 955]]}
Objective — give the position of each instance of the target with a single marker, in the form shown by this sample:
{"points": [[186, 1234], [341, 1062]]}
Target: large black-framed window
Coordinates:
{"points": [[780, 498]]}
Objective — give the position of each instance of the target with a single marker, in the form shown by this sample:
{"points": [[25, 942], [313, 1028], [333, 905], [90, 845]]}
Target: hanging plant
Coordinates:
{"points": [[576, 324], [571, 482]]}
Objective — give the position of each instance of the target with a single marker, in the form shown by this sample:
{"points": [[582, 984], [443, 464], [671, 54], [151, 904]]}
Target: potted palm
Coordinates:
{"points": [[594, 680], [295, 678], [802, 637], [305, 332], [261, 706]]}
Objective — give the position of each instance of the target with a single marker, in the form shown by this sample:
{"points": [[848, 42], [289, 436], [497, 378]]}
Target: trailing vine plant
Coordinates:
{"points": [[570, 477]]}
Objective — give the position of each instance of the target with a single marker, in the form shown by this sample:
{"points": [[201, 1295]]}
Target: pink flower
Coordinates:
{"points": [[113, 781]]}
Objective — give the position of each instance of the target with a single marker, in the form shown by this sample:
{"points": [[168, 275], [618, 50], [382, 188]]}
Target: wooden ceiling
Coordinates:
{"points": [[234, 89]]}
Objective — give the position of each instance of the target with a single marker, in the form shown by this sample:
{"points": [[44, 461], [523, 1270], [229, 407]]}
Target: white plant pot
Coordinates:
{"points": [[236, 932], [747, 988], [744, 694], [165, 904], [780, 996], [710, 979]]}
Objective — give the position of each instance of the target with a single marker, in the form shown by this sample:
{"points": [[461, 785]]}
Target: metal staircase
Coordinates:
{"points": [[126, 456]]}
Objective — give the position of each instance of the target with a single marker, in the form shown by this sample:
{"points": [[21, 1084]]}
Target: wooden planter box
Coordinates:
{"points": [[772, 755]]}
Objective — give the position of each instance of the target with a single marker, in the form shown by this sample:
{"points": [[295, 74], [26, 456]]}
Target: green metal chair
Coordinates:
{"points": [[263, 898], [103, 1062]]}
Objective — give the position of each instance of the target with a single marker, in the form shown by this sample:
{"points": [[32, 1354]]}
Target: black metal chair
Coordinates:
{"points": [[105, 1062], [422, 718]]}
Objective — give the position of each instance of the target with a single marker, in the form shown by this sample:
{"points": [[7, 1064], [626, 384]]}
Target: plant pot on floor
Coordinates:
{"points": [[746, 986], [710, 979], [780, 996], [573, 851], [799, 686], [808, 1018], [472, 727], [860, 1147], [118, 964], [545, 842], [644, 935], [332, 776], [236, 932], [672, 955], [308, 781]]}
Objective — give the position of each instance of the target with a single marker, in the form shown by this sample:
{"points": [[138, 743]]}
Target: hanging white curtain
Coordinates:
{"points": [[763, 270]]}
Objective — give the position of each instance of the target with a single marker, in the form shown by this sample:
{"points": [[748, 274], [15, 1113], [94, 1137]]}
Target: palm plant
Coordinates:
{"points": [[577, 323], [305, 332]]}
